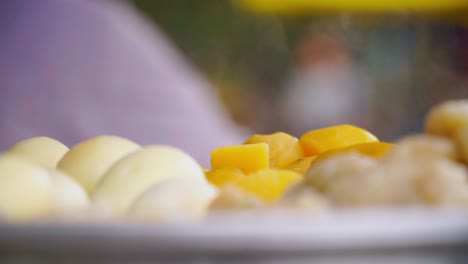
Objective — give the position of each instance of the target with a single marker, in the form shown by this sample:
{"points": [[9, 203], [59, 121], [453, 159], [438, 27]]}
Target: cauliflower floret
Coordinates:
{"points": [[442, 182], [444, 119], [302, 196], [421, 180], [326, 173], [418, 172], [231, 197], [423, 146]]}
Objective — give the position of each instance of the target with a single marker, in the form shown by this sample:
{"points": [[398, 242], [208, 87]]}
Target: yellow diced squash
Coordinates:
{"points": [[302, 165], [249, 158], [269, 184], [284, 148], [223, 176], [318, 141]]}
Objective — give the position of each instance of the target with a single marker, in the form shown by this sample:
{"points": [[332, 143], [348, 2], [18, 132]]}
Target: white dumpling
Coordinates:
{"points": [[25, 189], [89, 160], [68, 196], [174, 200], [137, 172], [45, 151]]}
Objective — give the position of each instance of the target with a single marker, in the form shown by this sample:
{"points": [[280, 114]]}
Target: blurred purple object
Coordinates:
{"points": [[76, 69]]}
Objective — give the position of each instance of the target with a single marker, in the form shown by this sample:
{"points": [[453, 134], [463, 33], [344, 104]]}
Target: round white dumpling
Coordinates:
{"points": [[89, 160], [137, 172], [25, 189], [174, 200], [68, 197], [45, 151]]}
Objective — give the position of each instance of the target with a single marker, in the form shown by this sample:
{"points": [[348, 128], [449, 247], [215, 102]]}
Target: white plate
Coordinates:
{"points": [[253, 238]]}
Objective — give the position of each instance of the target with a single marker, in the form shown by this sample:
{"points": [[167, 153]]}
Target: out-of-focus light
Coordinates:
{"points": [[364, 6]]}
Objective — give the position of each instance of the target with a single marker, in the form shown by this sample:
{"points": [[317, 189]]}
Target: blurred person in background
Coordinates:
{"points": [[325, 88], [72, 70]]}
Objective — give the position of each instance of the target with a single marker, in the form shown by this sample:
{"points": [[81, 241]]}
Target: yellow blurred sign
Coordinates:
{"points": [[298, 7]]}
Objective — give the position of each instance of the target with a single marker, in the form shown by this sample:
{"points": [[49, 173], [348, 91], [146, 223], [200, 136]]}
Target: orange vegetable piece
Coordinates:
{"points": [[249, 158], [302, 165], [284, 148], [318, 141], [224, 176], [269, 184]]}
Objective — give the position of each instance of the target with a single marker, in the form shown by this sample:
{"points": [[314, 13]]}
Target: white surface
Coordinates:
{"points": [[277, 230]]}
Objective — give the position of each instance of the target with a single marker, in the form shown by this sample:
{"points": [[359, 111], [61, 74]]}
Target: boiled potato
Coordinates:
{"points": [[137, 172], [174, 200], [90, 159], [25, 189], [45, 151], [68, 196]]}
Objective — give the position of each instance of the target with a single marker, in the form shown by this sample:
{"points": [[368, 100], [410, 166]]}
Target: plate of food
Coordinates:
{"points": [[333, 195]]}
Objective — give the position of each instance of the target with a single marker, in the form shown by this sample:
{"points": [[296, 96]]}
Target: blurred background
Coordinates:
{"points": [[153, 71], [294, 73]]}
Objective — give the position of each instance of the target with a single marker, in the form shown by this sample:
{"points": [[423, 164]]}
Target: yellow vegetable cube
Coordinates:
{"points": [[269, 184], [249, 158], [318, 141], [284, 148], [301, 166], [223, 176]]}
